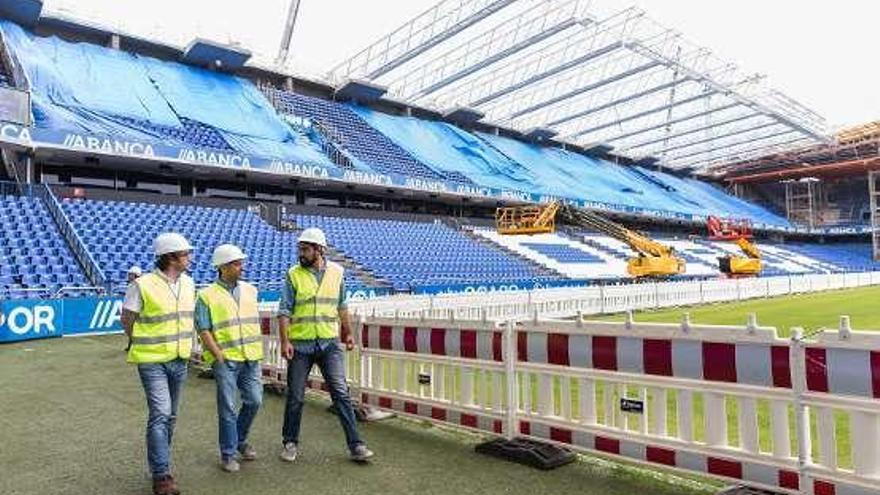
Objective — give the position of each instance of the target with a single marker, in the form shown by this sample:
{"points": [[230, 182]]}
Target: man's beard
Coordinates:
{"points": [[305, 262]]}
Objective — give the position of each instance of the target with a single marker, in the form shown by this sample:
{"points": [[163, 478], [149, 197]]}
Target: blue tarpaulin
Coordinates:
{"points": [[446, 148], [87, 77], [577, 176], [573, 175], [227, 103], [88, 88], [97, 90]]}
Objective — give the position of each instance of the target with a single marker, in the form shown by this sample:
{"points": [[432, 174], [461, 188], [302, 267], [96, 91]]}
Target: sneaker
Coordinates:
{"points": [[360, 453], [248, 453], [165, 485], [288, 453], [230, 465]]}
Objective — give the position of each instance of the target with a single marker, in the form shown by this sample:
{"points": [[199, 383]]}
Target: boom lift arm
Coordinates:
{"points": [[653, 259]]}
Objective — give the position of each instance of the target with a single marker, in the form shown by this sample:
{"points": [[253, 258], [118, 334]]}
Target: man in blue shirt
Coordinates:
{"points": [[316, 329]]}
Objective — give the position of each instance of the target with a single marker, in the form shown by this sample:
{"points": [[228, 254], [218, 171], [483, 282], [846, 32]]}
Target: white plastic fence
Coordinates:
{"points": [[714, 400], [796, 415], [567, 302]]}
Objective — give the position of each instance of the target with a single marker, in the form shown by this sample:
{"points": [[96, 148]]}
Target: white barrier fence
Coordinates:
{"points": [[798, 415], [567, 302], [730, 402]]}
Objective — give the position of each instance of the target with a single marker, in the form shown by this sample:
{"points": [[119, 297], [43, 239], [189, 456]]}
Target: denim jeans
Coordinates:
{"points": [[245, 377], [330, 360], [163, 385]]}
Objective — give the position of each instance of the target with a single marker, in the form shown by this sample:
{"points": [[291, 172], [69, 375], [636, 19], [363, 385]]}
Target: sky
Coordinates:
{"points": [[822, 54]]}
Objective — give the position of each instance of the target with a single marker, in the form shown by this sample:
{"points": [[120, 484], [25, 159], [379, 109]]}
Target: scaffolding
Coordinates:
{"points": [[621, 80], [801, 201], [874, 193]]}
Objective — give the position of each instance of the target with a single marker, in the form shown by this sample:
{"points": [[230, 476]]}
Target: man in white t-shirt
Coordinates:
{"points": [[157, 315]]}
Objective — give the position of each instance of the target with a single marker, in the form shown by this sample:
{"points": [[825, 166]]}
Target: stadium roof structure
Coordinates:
{"points": [[854, 151], [622, 81]]}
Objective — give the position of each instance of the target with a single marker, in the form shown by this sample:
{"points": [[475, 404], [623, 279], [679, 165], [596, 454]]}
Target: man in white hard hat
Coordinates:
{"points": [[157, 315], [228, 322], [313, 324], [133, 274]]}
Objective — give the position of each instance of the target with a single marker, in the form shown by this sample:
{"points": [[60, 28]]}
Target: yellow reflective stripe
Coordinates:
{"points": [[161, 339], [234, 322], [146, 320], [318, 300], [314, 319], [240, 342]]}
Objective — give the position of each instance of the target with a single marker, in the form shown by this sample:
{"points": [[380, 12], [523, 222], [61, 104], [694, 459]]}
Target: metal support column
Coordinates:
{"points": [[874, 193]]}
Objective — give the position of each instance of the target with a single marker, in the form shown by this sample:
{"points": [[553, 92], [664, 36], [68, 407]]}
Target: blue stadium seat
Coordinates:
{"points": [[419, 253], [32, 251], [356, 136], [120, 234]]}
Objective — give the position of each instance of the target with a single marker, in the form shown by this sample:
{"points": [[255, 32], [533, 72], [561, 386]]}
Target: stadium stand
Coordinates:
{"points": [[35, 261], [82, 87], [594, 256], [88, 88], [399, 251], [849, 256], [95, 89], [562, 173], [354, 135], [420, 253], [119, 234], [5, 75], [560, 254], [191, 132]]}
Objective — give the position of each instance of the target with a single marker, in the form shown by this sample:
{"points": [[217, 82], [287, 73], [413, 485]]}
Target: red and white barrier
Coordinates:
{"points": [[566, 381]]}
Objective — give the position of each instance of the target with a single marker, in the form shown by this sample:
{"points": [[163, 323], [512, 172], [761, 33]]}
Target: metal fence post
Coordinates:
{"points": [[362, 359], [510, 377], [801, 417]]}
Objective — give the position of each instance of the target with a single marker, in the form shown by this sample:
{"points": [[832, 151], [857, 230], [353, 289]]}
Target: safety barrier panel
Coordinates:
{"points": [[731, 402]]}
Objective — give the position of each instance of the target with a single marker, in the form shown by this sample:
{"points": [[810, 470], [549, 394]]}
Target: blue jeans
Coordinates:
{"points": [[330, 360], [163, 385], [244, 376]]}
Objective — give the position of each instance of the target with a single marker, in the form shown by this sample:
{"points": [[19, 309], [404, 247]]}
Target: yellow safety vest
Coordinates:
{"points": [[316, 309], [163, 330], [234, 325]]}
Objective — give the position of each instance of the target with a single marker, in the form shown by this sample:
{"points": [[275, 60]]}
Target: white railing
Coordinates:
{"points": [[694, 386], [797, 415], [568, 302], [793, 415]]}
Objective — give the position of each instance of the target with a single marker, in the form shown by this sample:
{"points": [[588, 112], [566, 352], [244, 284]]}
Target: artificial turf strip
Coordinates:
{"points": [[809, 311]]}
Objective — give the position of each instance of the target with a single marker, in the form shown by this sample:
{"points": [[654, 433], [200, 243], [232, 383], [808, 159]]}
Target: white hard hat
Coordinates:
{"points": [[170, 242], [226, 253], [135, 270], [313, 235]]}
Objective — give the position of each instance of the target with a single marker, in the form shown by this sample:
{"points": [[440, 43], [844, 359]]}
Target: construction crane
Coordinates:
{"points": [[652, 259], [740, 232]]}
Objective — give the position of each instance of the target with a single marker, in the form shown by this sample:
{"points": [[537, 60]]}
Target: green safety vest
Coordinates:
{"points": [[235, 325], [316, 309], [163, 331]]}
